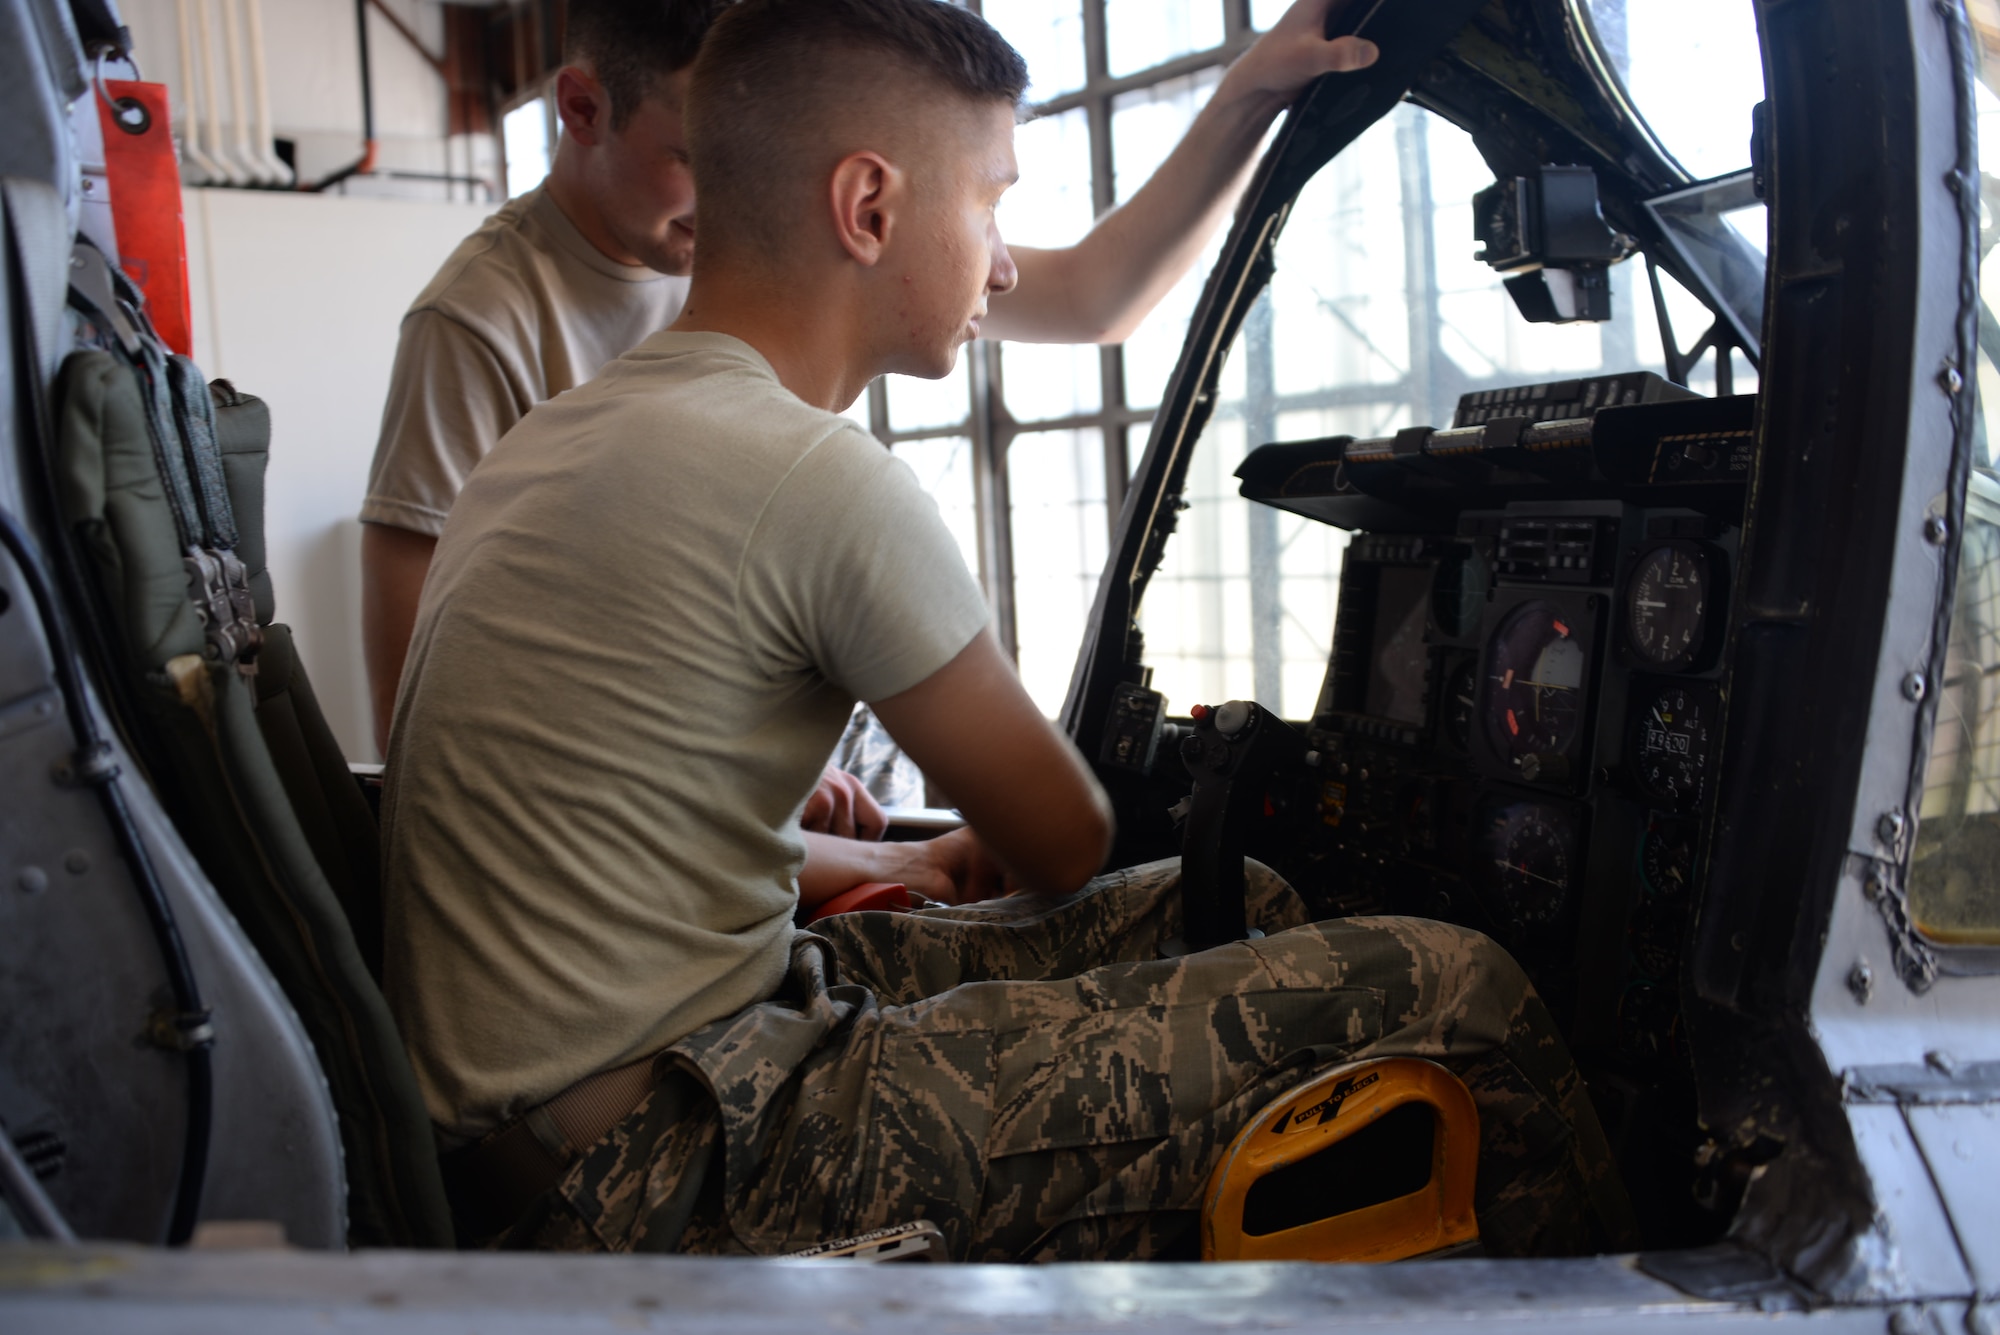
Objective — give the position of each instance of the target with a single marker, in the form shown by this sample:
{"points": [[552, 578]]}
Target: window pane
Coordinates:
{"points": [[1339, 310], [1378, 318], [857, 412], [1652, 44], [1049, 36], [1145, 126], [525, 132], [918, 405], [1145, 33], [1056, 483], [1265, 13], [1043, 380], [1147, 122], [944, 466], [1050, 205], [1954, 882], [1243, 603]]}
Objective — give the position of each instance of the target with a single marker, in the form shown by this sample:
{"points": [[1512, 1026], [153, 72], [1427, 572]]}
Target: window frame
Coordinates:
{"points": [[988, 423], [993, 428]]}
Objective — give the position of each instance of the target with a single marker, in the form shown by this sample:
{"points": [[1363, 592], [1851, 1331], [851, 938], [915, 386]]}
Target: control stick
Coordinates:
{"points": [[1233, 753]]}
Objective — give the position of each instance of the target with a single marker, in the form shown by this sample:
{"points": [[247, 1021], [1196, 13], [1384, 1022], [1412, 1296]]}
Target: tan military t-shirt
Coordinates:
{"points": [[524, 309], [648, 619]]}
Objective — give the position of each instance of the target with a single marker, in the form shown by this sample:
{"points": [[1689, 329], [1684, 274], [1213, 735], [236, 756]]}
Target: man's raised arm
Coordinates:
{"points": [[1099, 290]]}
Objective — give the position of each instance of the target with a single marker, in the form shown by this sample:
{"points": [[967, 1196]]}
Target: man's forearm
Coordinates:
{"points": [[394, 562], [835, 865], [1099, 290]]}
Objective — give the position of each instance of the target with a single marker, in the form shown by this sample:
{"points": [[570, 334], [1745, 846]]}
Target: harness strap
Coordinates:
{"points": [[93, 294], [180, 419], [194, 412]]}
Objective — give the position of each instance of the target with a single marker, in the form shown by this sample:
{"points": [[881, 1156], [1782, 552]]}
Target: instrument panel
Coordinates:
{"points": [[1511, 714], [1520, 720]]}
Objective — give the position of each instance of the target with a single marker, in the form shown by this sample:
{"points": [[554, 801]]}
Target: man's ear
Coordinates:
{"points": [[583, 104], [867, 192]]}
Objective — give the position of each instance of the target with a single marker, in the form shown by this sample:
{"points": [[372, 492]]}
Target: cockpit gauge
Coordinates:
{"points": [[1671, 742], [1666, 859], [1461, 702], [1458, 591], [1649, 1021], [1533, 695], [1666, 605], [1659, 920], [1530, 852]]}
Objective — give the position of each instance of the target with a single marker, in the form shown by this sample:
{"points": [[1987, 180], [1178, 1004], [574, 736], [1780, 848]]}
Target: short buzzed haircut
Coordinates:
{"points": [[631, 45], [771, 71]]}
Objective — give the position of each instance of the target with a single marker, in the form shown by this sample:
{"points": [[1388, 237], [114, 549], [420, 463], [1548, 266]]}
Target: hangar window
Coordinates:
{"points": [[1380, 317], [527, 134], [1954, 877], [1652, 44]]}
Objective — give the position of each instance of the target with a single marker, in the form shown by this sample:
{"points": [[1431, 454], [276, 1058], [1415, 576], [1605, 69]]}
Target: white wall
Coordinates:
{"points": [[314, 74], [297, 299]]}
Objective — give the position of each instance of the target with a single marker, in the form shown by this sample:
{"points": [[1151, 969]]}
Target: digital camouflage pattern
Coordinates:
{"points": [[870, 754], [1029, 1075]]}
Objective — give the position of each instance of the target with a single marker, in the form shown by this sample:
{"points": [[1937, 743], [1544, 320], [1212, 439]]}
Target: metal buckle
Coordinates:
{"points": [[219, 584]]}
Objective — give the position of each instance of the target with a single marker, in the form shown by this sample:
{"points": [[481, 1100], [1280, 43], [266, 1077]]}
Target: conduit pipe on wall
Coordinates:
{"points": [[246, 159], [205, 171], [228, 171], [260, 89], [366, 162]]}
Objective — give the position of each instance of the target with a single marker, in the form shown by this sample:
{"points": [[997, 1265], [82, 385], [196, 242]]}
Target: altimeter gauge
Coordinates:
{"points": [[1671, 742], [1667, 604]]}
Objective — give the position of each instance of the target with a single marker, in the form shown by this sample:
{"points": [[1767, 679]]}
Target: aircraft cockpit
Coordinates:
{"points": [[1563, 518], [1527, 713]]}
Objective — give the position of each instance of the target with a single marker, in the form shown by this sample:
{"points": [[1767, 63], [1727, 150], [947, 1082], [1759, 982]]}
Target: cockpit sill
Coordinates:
{"points": [[113, 1289]]}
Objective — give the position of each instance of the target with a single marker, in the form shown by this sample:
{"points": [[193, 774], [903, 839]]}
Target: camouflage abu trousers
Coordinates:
{"points": [[1030, 1076]]}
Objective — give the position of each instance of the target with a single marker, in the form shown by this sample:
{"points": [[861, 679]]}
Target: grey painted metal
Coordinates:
{"points": [[81, 1091], [24, 1200], [97, 1107], [78, 956], [43, 1288], [1912, 1251], [276, 1153], [1922, 1037], [1961, 1146], [41, 73]]}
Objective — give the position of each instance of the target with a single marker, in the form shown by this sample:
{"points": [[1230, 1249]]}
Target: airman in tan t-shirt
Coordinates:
{"points": [[524, 309]]}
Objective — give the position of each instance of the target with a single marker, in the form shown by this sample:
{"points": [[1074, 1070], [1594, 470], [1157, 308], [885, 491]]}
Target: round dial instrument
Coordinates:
{"points": [[1671, 744], [1666, 859], [1648, 1020], [1532, 848], [1666, 605], [1535, 671]]}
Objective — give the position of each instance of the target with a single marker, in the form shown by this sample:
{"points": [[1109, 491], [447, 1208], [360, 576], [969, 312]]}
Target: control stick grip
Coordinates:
{"points": [[1232, 754]]}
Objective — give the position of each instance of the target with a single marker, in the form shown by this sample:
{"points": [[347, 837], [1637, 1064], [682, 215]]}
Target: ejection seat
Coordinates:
{"points": [[157, 481]]}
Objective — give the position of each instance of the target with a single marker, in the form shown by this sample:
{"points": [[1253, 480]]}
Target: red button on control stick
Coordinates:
{"points": [[1198, 713]]}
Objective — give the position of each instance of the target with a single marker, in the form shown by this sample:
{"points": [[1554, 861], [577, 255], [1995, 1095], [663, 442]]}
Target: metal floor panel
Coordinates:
{"points": [[118, 1289]]}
